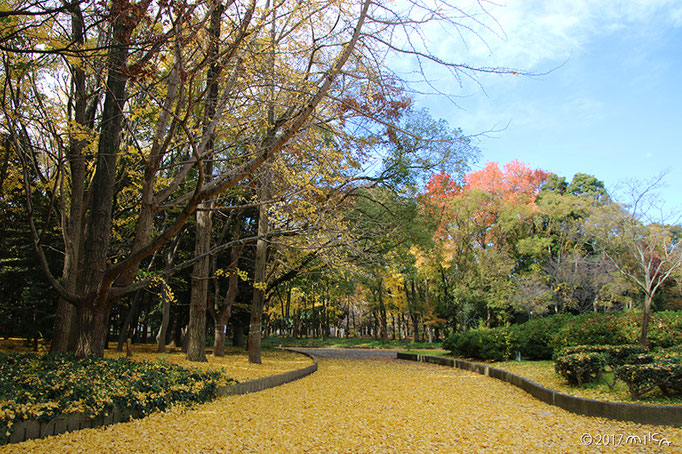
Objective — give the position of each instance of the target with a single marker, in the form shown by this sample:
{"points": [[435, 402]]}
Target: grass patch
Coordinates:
{"points": [[542, 372], [431, 352]]}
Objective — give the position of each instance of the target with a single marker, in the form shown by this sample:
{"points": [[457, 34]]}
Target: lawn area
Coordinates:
{"points": [[542, 372]]}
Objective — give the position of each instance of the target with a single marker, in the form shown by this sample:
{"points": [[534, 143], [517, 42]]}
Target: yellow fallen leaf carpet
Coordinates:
{"points": [[364, 406]]}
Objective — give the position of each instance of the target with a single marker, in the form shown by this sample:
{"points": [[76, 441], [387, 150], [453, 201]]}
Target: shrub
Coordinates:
{"points": [[665, 329], [487, 344], [44, 386], [540, 338], [664, 372], [536, 339], [614, 355], [596, 329], [579, 368]]}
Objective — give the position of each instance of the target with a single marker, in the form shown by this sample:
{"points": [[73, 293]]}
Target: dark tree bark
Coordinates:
{"points": [[383, 322], [259, 272], [196, 349], [222, 314], [94, 281], [64, 336]]}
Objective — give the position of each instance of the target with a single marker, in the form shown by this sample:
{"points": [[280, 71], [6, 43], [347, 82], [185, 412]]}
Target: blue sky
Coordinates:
{"points": [[611, 105]]}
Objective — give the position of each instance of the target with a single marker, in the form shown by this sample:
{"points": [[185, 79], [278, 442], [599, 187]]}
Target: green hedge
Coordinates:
{"points": [[647, 372], [488, 344], [582, 367], [614, 355], [40, 387], [585, 363], [641, 370], [540, 338]]}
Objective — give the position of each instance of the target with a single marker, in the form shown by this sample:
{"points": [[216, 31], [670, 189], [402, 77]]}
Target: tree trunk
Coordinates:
{"points": [[224, 313], [196, 348], [196, 329], [64, 336], [297, 323], [259, 285], [92, 322], [95, 284], [383, 322], [284, 318], [130, 316], [161, 336], [221, 326], [645, 319], [414, 315], [177, 331]]}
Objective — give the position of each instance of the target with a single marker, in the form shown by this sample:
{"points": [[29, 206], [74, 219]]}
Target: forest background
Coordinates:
{"points": [[189, 171]]}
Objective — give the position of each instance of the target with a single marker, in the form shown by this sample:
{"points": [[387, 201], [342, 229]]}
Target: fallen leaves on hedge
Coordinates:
{"points": [[364, 406], [43, 386]]}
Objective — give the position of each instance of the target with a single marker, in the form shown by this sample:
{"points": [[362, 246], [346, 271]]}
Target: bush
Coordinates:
{"points": [[614, 355], [41, 387], [665, 329], [540, 338], [579, 368], [664, 372], [536, 339], [483, 343], [596, 329]]}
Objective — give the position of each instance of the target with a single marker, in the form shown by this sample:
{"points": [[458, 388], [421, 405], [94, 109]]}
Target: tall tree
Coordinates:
{"points": [[146, 155], [647, 253]]}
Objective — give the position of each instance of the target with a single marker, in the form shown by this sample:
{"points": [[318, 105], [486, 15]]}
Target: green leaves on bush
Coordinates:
{"points": [[579, 368], [662, 371], [597, 329], [540, 338], [488, 344], [639, 369], [585, 363], [614, 355]]}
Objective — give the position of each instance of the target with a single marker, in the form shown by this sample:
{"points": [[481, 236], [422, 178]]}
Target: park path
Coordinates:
{"points": [[348, 353], [358, 404]]}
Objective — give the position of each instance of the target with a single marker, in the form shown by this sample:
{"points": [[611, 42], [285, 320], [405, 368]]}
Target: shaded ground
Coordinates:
{"points": [[359, 405]]}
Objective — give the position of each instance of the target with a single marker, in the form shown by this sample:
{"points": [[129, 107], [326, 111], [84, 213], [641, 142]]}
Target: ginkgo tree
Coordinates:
{"points": [[85, 83]]}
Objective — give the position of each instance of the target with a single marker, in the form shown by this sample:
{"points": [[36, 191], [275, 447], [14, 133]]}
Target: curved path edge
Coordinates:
{"points": [[667, 415], [259, 384], [27, 430]]}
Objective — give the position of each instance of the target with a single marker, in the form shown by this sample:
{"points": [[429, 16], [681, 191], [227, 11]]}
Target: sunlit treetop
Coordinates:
{"points": [[516, 180]]}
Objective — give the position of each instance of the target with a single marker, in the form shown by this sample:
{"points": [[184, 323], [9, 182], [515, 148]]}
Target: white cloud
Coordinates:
{"points": [[534, 34]]}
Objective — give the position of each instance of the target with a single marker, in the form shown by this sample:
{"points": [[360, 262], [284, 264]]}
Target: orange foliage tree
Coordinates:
{"points": [[481, 221]]}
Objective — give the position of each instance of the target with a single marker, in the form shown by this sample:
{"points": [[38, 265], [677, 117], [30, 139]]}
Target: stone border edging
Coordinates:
{"points": [[667, 415], [271, 381], [28, 430]]}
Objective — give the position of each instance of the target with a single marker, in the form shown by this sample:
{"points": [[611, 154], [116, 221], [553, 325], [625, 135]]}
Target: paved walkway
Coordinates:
{"points": [[361, 405]]}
